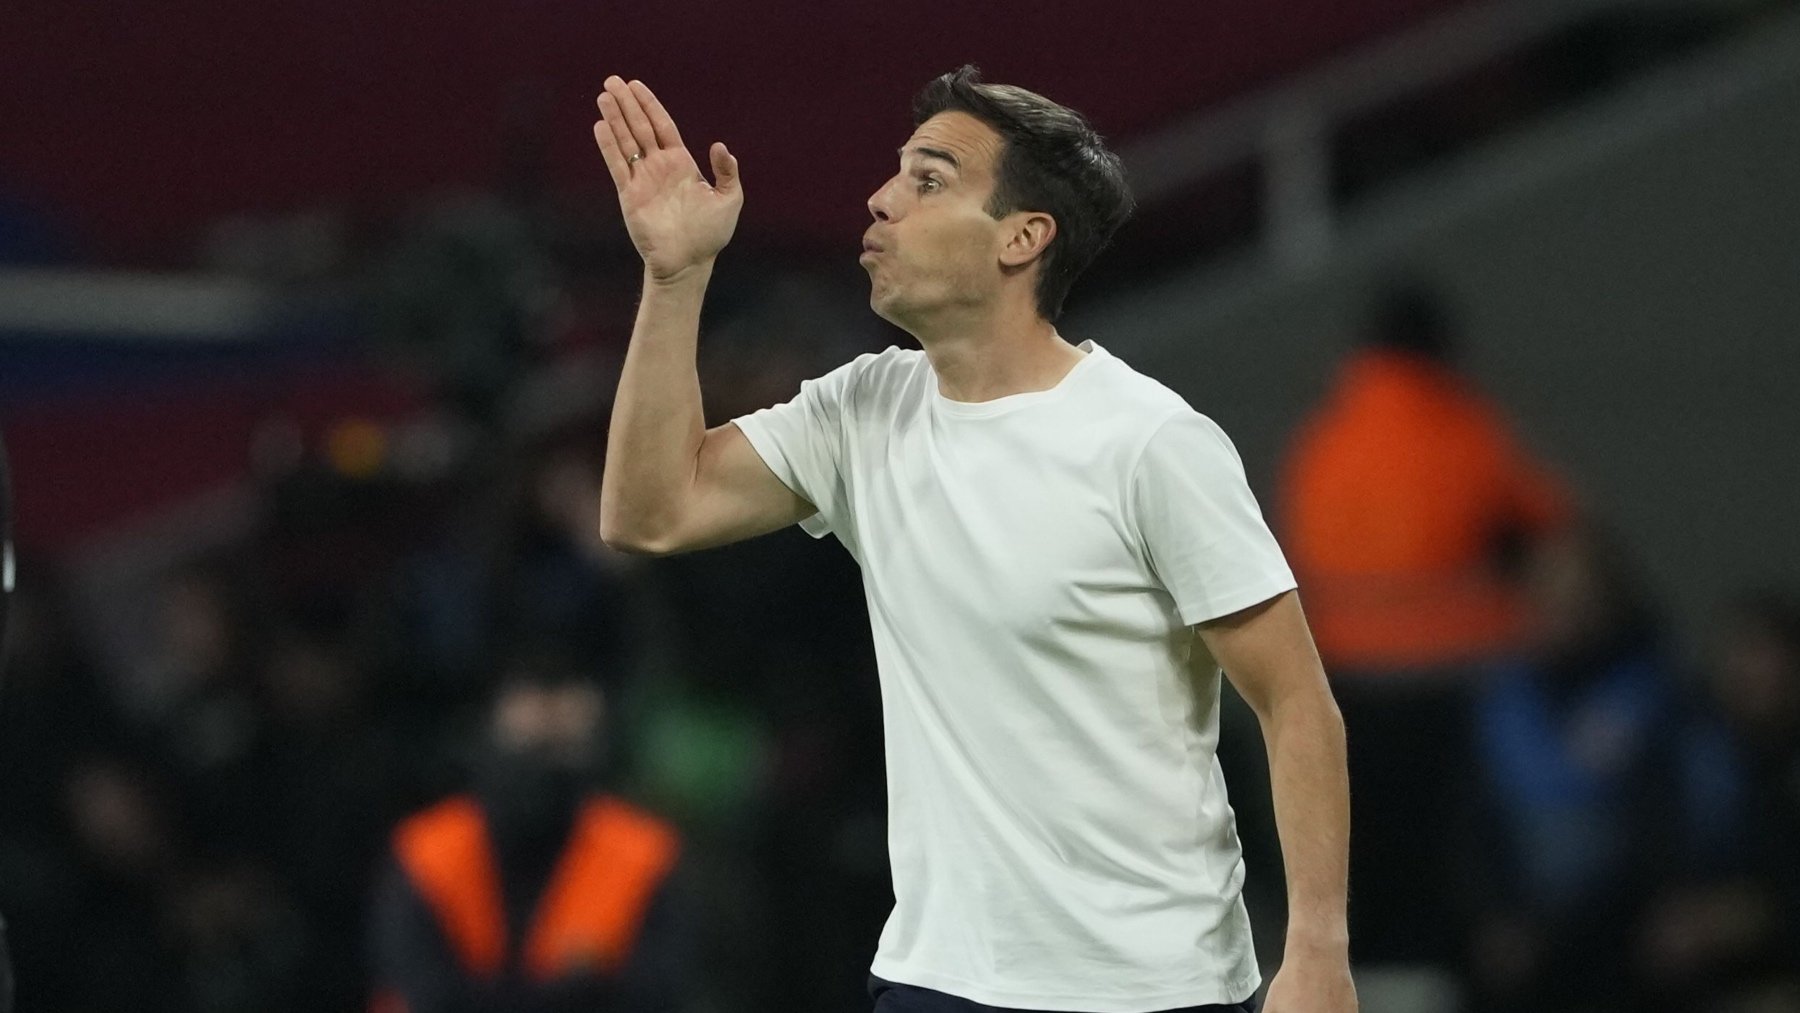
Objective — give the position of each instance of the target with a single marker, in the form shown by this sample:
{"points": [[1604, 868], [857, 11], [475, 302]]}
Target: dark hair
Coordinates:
{"points": [[1410, 316], [1052, 161]]}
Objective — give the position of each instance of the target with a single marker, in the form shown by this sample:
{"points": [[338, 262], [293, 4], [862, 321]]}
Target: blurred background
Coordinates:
{"points": [[310, 316]]}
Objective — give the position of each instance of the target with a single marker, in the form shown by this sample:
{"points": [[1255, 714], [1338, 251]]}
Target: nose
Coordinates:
{"points": [[879, 204]]}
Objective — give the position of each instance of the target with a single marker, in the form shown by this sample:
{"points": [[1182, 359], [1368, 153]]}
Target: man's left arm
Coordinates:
{"points": [[1267, 652]]}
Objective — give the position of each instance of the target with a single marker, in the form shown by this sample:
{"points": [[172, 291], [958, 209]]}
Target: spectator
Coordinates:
{"points": [[119, 949], [241, 941], [526, 565], [1725, 926], [463, 292], [1405, 498], [1569, 742], [1404, 501], [562, 584], [329, 777], [536, 892], [201, 713]]}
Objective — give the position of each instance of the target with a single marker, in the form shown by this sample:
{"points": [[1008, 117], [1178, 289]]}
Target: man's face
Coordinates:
{"points": [[560, 723], [933, 244]]}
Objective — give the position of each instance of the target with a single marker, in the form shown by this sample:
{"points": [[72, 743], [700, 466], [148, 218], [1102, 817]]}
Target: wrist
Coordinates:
{"points": [[1317, 942], [683, 277]]}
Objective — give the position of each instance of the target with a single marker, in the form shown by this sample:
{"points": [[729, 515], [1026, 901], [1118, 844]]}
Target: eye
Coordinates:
{"points": [[930, 184]]}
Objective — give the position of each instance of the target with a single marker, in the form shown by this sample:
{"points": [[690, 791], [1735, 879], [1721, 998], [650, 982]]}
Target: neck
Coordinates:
{"points": [[980, 358]]}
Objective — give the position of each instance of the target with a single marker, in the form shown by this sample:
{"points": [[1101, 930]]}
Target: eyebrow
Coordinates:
{"points": [[937, 153]]}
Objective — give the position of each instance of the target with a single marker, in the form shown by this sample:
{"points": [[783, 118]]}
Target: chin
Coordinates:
{"points": [[881, 300], [890, 309]]}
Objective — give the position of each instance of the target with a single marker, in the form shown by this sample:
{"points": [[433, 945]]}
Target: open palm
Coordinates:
{"points": [[676, 219]]}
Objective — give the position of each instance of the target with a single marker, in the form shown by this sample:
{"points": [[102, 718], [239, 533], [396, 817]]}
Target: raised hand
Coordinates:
{"points": [[677, 220]]}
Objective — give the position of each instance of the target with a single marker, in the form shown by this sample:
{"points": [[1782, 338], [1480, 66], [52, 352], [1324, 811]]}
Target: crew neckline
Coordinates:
{"points": [[1013, 402]]}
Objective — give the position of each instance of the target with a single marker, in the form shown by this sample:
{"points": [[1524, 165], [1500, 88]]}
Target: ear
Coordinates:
{"points": [[1027, 235]]}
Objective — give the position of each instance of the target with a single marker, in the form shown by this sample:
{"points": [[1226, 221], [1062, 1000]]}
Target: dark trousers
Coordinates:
{"points": [[893, 997]]}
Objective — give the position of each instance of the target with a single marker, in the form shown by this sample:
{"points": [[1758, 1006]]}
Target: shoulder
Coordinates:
{"points": [[1187, 440], [1155, 428], [1143, 409], [868, 377], [1143, 398], [630, 835], [625, 816]]}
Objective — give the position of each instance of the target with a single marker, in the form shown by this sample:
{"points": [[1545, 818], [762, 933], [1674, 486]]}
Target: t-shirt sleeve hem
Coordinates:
{"points": [[1216, 606], [764, 444]]}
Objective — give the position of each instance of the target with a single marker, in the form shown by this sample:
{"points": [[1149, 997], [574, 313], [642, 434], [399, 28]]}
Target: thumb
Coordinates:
{"points": [[725, 168]]}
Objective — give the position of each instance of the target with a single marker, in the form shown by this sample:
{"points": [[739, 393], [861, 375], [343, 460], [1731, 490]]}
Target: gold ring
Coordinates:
{"points": [[634, 158]]}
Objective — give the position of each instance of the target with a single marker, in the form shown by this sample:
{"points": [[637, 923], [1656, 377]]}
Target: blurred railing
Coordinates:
{"points": [[1317, 232], [1287, 132], [130, 305]]}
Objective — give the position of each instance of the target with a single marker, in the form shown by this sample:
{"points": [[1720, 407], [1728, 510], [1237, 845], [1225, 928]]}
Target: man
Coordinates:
{"points": [[535, 892], [1406, 500], [1041, 532]]}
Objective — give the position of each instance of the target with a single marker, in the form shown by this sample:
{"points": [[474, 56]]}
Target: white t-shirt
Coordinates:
{"points": [[1034, 566]]}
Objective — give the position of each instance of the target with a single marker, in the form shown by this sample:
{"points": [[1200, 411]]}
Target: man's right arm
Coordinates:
{"points": [[670, 484]]}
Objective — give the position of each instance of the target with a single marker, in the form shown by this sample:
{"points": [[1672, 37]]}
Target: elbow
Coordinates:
{"points": [[633, 541], [629, 546], [635, 546]]}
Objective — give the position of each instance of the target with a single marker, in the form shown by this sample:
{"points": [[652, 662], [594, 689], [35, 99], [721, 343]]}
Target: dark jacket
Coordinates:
{"points": [[470, 920]]}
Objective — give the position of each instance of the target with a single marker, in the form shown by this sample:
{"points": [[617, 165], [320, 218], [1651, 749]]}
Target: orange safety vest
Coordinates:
{"points": [[590, 913], [1394, 499]]}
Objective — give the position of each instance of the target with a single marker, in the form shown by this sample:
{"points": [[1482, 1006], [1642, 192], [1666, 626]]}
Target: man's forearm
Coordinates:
{"points": [[657, 422], [1307, 772]]}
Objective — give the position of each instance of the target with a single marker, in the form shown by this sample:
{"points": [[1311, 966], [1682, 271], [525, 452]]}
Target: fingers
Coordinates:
{"points": [[660, 122], [640, 136], [725, 169], [633, 122], [609, 150], [614, 120]]}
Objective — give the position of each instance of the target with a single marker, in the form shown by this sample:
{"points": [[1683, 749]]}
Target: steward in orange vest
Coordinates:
{"points": [[1403, 498], [533, 893]]}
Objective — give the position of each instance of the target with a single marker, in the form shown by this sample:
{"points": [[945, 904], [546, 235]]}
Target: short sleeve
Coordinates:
{"points": [[802, 443], [1199, 523]]}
